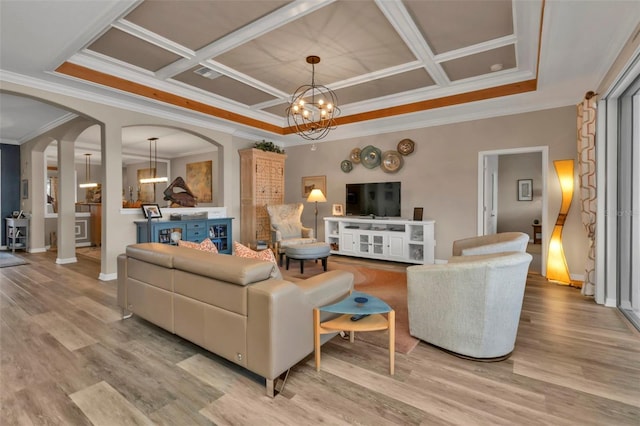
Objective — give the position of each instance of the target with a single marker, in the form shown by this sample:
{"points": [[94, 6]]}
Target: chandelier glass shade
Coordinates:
{"points": [[153, 164], [87, 174], [313, 108]]}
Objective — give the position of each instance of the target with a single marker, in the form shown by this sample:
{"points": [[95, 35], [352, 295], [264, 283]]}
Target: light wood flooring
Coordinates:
{"points": [[66, 358]]}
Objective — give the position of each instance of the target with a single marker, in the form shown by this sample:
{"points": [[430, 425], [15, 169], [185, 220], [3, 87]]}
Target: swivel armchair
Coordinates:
{"points": [[493, 243], [470, 306], [287, 228]]}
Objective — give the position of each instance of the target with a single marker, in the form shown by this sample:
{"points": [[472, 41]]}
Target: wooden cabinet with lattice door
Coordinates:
{"points": [[261, 184]]}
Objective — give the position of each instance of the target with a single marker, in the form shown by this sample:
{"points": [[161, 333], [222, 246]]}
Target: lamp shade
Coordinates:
{"points": [[317, 196]]}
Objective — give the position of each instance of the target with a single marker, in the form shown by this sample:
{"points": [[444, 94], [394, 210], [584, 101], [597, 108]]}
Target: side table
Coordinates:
{"points": [[373, 307], [17, 234]]}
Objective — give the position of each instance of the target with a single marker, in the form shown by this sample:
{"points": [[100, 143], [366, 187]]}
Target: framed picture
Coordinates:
{"points": [[151, 211], [525, 189], [313, 182], [25, 189], [337, 210], [417, 213]]}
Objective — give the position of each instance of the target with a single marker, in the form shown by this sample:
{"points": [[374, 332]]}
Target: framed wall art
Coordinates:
{"points": [[313, 182], [525, 189]]}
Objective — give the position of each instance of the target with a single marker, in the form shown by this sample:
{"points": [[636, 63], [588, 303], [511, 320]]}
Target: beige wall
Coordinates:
{"points": [[442, 173]]}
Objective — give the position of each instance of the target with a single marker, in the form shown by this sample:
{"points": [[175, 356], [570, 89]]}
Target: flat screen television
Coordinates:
{"points": [[379, 199]]}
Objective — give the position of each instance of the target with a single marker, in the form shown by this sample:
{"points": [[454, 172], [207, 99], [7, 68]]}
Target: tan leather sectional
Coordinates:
{"points": [[240, 309]]}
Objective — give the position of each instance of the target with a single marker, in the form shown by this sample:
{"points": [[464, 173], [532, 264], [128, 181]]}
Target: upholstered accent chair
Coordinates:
{"points": [[494, 243], [469, 306], [287, 228]]}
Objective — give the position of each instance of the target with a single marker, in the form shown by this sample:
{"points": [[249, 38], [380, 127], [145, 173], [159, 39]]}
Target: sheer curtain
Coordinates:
{"points": [[587, 175]]}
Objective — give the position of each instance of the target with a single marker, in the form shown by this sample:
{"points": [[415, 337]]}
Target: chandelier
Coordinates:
{"points": [[313, 107], [153, 164]]}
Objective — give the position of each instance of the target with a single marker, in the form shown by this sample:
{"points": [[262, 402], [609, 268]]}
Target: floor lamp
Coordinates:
{"points": [[316, 196], [557, 269]]}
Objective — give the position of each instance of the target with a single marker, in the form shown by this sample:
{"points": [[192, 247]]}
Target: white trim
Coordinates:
{"points": [[60, 261], [108, 277], [544, 151]]}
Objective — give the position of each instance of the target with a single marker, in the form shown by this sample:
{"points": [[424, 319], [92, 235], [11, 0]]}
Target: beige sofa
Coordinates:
{"points": [[237, 308]]}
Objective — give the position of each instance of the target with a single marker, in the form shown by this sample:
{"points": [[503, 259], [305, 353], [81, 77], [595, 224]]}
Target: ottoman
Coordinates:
{"points": [[304, 252]]}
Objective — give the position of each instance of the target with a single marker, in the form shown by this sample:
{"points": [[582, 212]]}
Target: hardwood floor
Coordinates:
{"points": [[67, 358]]}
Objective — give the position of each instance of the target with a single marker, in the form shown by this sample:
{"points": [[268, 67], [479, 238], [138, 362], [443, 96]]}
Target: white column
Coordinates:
{"points": [[66, 205], [111, 200]]}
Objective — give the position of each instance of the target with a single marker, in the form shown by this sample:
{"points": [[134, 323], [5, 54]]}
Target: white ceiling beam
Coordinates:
{"points": [[401, 20]]}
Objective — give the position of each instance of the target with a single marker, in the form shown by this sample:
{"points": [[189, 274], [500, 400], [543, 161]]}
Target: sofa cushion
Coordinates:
{"points": [[156, 253], [222, 267], [205, 245], [266, 255]]}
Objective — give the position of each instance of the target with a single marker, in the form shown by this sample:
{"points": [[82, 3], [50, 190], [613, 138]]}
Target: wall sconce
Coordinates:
{"points": [[557, 269]]}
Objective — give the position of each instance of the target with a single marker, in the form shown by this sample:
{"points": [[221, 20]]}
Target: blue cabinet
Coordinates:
{"points": [[170, 231]]}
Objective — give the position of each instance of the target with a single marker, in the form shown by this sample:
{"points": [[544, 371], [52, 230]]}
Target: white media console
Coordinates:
{"points": [[386, 239]]}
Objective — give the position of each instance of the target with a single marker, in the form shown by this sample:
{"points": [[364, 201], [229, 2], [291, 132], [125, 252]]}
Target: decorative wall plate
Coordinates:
{"points": [[355, 156], [406, 146], [346, 166], [391, 161], [370, 156]]}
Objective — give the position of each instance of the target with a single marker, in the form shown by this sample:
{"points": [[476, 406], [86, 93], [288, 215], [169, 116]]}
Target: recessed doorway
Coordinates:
{"points": [[501, 209]]}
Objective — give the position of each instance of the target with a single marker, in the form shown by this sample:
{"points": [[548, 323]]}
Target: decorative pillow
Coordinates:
{"points": [[266, 255], [206, 245], [289, 230]]}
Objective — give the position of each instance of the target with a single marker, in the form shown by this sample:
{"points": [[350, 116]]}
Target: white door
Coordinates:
{"points": [[490, 191]]}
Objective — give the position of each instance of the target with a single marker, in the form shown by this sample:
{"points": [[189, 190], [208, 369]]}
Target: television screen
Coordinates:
{"points": [[379, 199]]}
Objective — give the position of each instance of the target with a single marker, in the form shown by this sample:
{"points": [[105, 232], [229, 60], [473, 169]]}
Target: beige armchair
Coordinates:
{"points": [[494, 243], [287, 228], [469, 306]]}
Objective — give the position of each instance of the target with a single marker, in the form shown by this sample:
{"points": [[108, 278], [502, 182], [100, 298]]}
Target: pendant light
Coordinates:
{"points": [[153, 164], [87, 174]]}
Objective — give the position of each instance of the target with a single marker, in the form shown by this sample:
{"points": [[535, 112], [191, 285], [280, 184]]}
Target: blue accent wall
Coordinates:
{"points": [[10, 182]]}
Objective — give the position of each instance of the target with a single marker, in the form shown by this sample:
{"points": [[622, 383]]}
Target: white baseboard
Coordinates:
{"points": [[65, 261], [108, 277]]}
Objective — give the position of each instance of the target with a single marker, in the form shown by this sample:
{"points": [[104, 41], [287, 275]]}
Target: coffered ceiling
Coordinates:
{"points": [[248, 57], [393, 63]]}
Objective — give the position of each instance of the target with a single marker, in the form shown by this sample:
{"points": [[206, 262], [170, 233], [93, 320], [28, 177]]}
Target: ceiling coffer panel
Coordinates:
{"points": [[480, 63], [352, 38], [403, 82], [452, 25], [195, 24], [127, 48], [224, 86]]}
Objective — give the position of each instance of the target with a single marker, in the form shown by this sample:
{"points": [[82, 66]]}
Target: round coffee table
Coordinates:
{"points": [[373, 308], [308, 251]]}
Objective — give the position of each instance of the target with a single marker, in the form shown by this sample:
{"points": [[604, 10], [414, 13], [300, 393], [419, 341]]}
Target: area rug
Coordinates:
{"points": [[9, 259], [388, 285]]}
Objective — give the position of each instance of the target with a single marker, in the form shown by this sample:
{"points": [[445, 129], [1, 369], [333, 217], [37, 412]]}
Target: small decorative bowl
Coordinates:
{"points": [[361, 300]]}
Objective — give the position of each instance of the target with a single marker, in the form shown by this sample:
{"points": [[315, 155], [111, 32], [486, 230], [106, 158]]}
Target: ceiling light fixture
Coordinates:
{"points": [[87, 174], [153, 164], [313, 107]]}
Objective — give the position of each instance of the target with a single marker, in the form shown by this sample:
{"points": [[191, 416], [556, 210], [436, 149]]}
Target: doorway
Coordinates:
{"points": [[501, 206]]}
